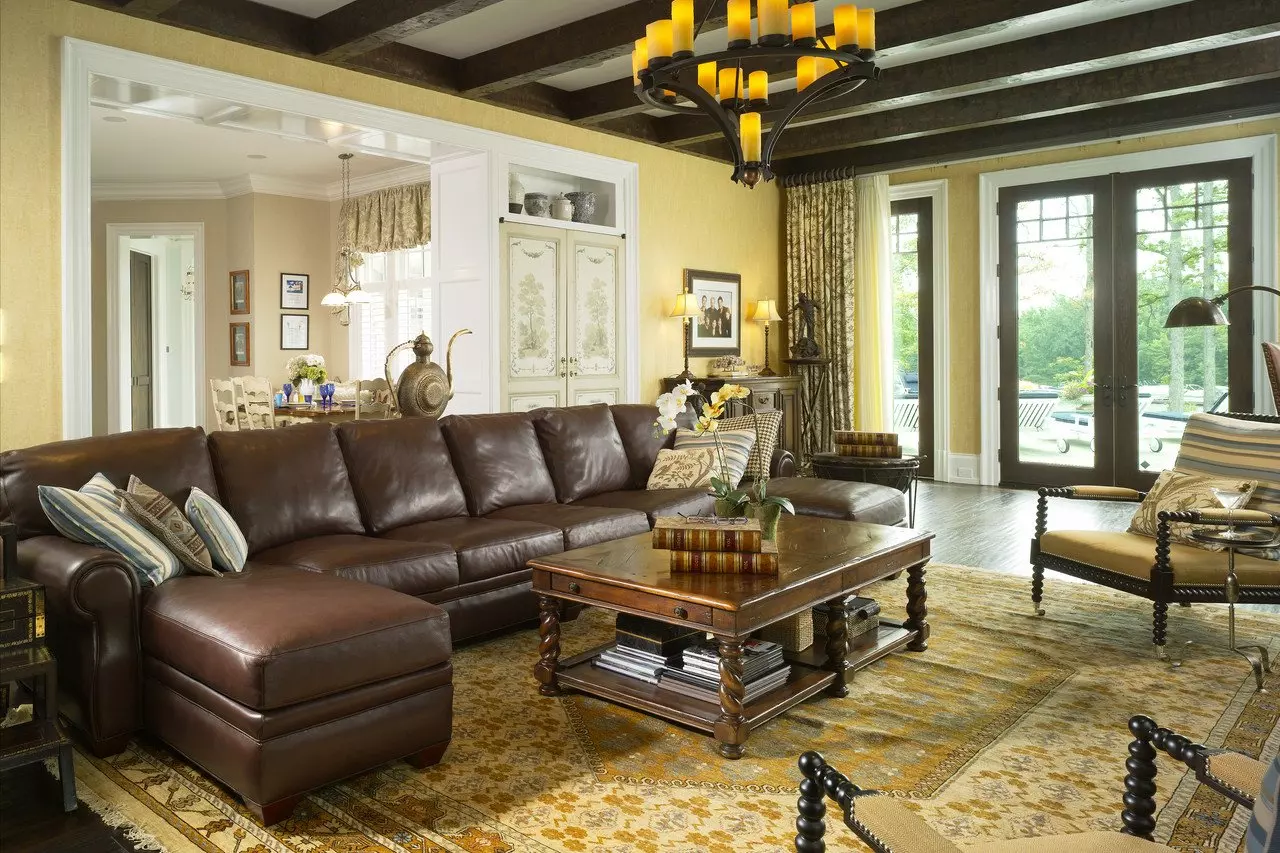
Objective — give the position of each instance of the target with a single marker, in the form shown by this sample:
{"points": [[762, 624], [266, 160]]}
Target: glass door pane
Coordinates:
{"points": [[911, 236]]}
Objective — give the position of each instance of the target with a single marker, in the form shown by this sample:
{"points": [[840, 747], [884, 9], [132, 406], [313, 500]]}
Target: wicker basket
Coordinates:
{"points": [[853, 627], [794, 634]]}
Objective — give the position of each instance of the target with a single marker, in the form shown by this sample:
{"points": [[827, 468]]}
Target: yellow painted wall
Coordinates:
{"points": [[962, 242], [691, 214]]}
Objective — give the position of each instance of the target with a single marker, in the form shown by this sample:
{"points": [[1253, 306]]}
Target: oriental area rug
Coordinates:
{"points": [[1008, 726]]}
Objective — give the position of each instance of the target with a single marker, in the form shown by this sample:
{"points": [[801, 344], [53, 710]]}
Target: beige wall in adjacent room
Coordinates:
{"points": [[691, 215], [961, 314]]}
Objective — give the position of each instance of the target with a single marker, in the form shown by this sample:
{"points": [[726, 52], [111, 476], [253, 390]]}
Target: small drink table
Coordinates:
{"points": [[1240, 539]]}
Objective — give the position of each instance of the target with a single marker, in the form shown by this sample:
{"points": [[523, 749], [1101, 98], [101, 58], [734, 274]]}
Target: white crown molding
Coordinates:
{"points": [[246, 184], [143, 191]]}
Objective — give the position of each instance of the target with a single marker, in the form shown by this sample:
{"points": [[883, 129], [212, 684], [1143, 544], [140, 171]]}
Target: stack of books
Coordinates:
{"points": [[711, 545], [697, 672], [876, 445], [644, 647], [633, 663]]}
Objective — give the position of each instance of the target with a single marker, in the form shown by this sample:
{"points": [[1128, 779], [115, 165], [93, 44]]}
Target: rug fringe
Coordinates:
{"points": [[112, 816]]}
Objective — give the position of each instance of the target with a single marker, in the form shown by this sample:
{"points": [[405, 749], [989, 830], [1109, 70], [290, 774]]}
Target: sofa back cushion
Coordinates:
{"points": [[640, 438], [169, 460], [401, 472], [1230, 448], [498, 460], [583, 450], [285, 484]]}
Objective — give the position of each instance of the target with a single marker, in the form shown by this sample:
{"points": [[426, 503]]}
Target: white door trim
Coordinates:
{"points": [[936, 192], [119, 416], [1260, 149]]}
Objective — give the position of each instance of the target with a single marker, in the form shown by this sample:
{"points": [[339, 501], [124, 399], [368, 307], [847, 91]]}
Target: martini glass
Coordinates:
{"points": [[1230, 499]]}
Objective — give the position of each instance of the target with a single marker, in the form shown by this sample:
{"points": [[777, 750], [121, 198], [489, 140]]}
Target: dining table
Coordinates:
{"points": [[337, 412]]}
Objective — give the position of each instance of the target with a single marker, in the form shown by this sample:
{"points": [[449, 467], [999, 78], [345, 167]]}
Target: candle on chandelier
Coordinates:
{"points": [[707, 78], [682, 28], [758, 88], [773, 21], [806, 72], [867, 30], [730, 84], [639, 58], [804, 25], [825, 66], [846, 26], [659, 40], [739, 14], [749, 130]]}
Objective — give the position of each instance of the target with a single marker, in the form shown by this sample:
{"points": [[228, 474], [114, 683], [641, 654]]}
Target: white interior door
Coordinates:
{"points": [[534, 360], [595, 333]]}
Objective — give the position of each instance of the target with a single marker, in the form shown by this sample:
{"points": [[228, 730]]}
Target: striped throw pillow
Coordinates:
{"points": [[163, 520], [219, 531], [766, 426], [1263, 834], [88, 517], [735, 443]]}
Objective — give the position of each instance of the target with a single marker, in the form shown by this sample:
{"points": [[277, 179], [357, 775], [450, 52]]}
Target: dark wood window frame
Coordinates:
{"points": [[922, 207]]}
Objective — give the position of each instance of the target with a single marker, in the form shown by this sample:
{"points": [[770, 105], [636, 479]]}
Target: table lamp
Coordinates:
{"points": [[686, 308], [766, 311], [1198, 311]]}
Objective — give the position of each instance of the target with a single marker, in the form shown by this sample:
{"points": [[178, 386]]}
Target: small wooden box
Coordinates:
{"points": [[21, 613]]}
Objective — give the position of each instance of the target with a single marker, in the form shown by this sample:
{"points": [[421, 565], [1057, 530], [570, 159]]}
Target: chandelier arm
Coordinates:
{"points": [[710, 106], [705, 17], [811, 94]]}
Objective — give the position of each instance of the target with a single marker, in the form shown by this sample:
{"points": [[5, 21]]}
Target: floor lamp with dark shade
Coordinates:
{"points": [[1198, 311], [686, 308]]}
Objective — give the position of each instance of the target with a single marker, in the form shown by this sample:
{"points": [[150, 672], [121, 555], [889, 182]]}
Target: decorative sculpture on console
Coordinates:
{"points": [[424, 390], [805, 346]]}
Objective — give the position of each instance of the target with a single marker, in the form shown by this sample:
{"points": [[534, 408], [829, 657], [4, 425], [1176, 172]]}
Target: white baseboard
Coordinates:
{"points": [[963, 468]]}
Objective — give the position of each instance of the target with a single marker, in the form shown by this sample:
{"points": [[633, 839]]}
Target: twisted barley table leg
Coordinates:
{"points": [[731, 728], [548, 645]]}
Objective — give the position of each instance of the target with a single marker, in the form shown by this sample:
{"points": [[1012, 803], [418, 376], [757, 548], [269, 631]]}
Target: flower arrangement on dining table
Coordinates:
{"points": [[306, 366], [730, 500]]}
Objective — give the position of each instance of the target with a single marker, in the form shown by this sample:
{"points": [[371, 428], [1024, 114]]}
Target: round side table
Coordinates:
{"points": [[1233, 540], [898, 473]]}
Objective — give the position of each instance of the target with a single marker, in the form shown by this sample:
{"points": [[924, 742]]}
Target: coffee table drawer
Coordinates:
{"points": [[656, 605]]}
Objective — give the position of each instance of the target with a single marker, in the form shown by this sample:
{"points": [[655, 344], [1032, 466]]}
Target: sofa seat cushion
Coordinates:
{"points": [[277, 636], [657, 502], [414, 568], [486, 547], [1135, 556], [582, 525], [868, 502]]}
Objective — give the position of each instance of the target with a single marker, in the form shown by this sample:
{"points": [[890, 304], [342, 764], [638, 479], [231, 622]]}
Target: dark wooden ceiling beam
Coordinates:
{"points": [[1143, 37], [1233, 103], [406, 64], [360, 26], [148, 8]]}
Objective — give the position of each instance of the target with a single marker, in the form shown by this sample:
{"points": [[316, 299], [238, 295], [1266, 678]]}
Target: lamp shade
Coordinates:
{"points": [[766, 311], [359, 297], [334, 299], [1195, 311], [686, 306]]}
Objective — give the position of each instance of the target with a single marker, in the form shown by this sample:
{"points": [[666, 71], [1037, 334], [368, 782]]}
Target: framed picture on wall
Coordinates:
{"points": [[240, 345], [295, 329], [239, 291], [718, 331], [295, 290]]}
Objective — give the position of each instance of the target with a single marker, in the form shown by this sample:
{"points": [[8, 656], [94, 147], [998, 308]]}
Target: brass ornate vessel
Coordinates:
{"points": [[424, 390]]}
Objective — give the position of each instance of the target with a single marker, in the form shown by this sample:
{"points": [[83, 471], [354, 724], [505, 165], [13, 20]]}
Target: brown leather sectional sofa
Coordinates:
{"points": [[373, 547]]}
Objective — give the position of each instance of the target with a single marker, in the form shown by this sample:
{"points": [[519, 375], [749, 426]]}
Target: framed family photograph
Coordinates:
{"points": [[295, 329], [295, 290], [718, 330], [240, 345], [240, 292]]}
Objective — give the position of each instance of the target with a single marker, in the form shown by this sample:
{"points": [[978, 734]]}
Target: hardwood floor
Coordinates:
{"points": [[978, 526]]}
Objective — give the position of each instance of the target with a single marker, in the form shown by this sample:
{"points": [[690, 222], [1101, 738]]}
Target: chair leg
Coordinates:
{"points": [[1037, 589], [1138, 816], [1159, 625]]}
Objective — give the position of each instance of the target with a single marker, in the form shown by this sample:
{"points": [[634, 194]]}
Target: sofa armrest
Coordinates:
{"points": [[92, 611], [782, 464]]}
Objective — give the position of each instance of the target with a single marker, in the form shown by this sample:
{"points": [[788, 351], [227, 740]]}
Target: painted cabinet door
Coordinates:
{"points": [[596, 337], [534, 360]]}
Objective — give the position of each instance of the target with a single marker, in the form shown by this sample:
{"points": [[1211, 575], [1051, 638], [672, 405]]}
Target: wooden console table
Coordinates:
{"points": [[768, 393]]}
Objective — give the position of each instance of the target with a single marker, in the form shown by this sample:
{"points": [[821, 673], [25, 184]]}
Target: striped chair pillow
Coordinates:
{"points": [[219, 531], [736, 444], [766, 426], [88, 517], [1233, 449], [1263, 834]]}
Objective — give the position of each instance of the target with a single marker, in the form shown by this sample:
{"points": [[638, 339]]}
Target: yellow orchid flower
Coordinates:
{"points": [[705, 424], [712, 410], [733, 392]]}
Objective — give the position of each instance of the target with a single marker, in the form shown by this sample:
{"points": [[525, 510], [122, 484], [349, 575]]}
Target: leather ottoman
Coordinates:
{"points": [[869, 502], [279, 680]]}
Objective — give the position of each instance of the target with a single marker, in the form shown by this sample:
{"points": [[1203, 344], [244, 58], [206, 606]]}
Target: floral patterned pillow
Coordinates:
{"points": [[1174, 491], [683, 469]]}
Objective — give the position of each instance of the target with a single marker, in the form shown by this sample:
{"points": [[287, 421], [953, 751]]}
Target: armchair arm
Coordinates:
{"points": [[1221, 517], [1231, 774], [883, 823], [1094, 493], [782, 464]]}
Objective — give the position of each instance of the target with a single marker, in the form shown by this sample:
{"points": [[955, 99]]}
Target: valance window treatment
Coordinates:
{"points": [[387, 220]]}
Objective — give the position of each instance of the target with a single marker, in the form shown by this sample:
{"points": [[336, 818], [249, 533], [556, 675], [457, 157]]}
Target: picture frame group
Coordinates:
{"points": [[295, 328]]}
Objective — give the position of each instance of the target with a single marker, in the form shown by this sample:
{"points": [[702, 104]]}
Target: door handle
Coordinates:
{"points": [[1106, 392], [573, 365], [563, 372]]}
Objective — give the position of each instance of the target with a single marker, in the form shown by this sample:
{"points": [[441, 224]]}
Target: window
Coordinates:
{"points": [[402, 305]]}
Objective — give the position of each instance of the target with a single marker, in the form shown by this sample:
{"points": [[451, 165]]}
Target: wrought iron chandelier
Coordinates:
{"points": [[732, 85], [346, 287]]}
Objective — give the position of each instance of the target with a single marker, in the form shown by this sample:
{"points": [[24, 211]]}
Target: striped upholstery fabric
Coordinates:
{"points": [[736, 444], [1238, 450], [219, 531], [1263, 835], [766, 426], [88, 517]]}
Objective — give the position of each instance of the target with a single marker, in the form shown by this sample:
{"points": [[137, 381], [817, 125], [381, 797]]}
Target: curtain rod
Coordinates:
{"points": [[805, 178]]}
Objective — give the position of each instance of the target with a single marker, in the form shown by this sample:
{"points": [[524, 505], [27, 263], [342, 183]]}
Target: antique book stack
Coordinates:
{"points": [[644, 647], [875, 445], [697, 673], [708, 545]]}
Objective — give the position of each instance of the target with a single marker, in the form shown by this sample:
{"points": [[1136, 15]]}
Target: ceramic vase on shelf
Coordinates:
{"points": [[537, 204], [562, 209], [584, 206], [515, 193]]}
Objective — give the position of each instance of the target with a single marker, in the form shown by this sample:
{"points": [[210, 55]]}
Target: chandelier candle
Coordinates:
{"points": [[867, 32], [739, 13], [682, 29], [706, 79], [804, 25], [730, 87], [806, 72], [659, 43], [639, 58], [758, 89], [774, 29], [847, 27], [749, 127]]}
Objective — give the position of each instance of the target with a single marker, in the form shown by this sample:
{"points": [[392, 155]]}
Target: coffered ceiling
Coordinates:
{"points": [[960, 79]]}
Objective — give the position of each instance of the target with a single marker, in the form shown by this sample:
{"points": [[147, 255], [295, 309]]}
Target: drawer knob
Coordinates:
{"points": [[574, 588], [680, 612]]}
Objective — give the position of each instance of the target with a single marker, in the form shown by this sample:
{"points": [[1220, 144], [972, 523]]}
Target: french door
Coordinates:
{"points": [[911, 233], [1093, 388]]}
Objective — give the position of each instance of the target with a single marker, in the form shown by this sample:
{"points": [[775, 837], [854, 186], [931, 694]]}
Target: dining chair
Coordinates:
{"points": [[225, 408], [373, 399], [255, 402]]}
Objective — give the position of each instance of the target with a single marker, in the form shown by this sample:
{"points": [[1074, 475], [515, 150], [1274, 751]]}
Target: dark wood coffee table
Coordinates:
{"points": [[822, 561]]}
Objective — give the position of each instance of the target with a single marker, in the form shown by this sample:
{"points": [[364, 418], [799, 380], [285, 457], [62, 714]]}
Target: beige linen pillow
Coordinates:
{"points": [[1175, 491], [683, 469]]}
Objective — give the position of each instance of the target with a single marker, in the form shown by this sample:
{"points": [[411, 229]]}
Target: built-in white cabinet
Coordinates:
{"points": [[562, 295]]}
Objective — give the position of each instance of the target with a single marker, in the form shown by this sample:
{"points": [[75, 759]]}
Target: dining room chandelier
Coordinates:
{"points": [[346, 289], [732, 85]]}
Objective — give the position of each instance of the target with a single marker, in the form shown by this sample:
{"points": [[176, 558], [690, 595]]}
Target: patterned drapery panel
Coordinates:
{"points": [[387, 220], [820, 239]]}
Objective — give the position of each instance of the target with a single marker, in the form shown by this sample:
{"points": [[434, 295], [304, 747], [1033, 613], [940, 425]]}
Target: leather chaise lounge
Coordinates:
{"points": [[373, 547]]}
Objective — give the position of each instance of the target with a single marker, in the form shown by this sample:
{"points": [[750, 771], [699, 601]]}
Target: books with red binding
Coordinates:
{"points": [[764, 562], [845, 436], [678, 533]]}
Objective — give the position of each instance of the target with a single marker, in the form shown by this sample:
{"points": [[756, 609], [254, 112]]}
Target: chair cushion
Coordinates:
{"points": [[1236, 771], [1133, 555], [498, 460], [869, 502], [640, 439], [277, 636], [735, 444], [583, 450], [282, 485], [400, 471], [656, 502], [414, 568], [683, 469], [163, 519], [486, 547], [219, 531], [582, 525], [1079, 842]]}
